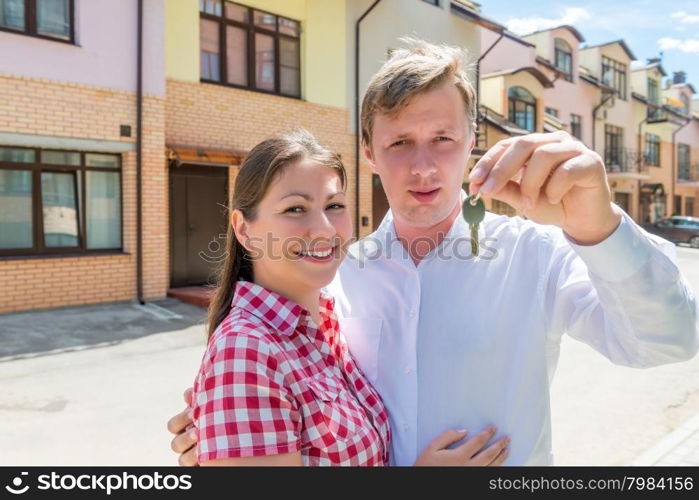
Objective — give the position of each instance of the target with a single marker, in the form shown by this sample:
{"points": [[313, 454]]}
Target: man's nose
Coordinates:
{"points": [[423, 162]]}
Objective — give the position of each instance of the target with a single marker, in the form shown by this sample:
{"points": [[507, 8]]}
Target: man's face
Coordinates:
{"points": [[420, 155]]}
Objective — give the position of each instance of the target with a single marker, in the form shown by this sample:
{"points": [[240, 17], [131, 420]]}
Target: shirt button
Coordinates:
{"points": [[412, 313], [406, 427], [408, 369]]}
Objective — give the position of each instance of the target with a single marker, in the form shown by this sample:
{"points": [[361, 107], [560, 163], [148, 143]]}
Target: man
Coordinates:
{"points": [[456, 342]]}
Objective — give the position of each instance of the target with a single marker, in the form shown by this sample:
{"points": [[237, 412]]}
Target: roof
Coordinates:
{"points": [[500, 122], [650, 66], [570, 28], [464, 12], [621, 42], [537, 73], [680, 85]]}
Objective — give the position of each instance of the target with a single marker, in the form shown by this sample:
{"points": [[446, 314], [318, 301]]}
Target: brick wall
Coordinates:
{"points": [[217, 117], [47, 108]]}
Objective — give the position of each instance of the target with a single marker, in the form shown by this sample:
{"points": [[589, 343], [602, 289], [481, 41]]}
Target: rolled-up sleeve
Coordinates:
{"points": [[625, 297], [241, 405]]}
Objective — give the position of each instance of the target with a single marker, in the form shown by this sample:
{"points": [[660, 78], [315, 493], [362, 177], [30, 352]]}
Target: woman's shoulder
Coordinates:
{"points": [[241, 331]]}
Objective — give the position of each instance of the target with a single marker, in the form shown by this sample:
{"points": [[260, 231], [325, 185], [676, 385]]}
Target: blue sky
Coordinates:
{"points": [[648, 26]]}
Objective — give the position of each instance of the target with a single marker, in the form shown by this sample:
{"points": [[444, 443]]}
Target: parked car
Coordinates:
{"points": [[677, 229]]}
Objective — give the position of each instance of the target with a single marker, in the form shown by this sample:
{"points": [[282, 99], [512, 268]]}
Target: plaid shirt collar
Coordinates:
{"points": [[277, 311]]}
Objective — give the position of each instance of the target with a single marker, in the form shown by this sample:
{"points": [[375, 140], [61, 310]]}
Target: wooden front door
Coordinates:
{"points": [[198, 223]]}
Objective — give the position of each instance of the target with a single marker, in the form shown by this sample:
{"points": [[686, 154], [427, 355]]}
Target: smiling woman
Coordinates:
{"points": [[276, 385]]}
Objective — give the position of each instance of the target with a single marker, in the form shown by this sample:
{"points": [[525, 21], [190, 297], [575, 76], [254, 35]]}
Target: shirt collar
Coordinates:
{"points": [[277, 311], [383, 243]]}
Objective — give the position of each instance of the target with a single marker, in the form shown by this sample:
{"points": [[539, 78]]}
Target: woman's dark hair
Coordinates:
{"points": [[257, 172]]}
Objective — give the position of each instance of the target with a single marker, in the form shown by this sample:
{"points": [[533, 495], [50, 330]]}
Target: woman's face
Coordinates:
{"points": [[301, 231]]}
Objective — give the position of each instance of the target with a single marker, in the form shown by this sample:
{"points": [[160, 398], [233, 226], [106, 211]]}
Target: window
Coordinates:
{"points": [[522, 108], [249, 48], [677, 210], [653, 100], [614, 75], [689, 206], [432, 2], [51, 19], [652, 153], [685, 104], [613, 147], [576, 126], [563, 58], [683, 173], [551, 111], [59, 201]]}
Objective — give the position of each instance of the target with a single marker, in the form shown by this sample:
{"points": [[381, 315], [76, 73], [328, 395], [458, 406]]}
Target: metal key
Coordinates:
{"points": [[473, 210]]}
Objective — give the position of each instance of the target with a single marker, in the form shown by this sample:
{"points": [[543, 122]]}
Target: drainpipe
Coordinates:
{"points": [[478, 84], [357, 111], [139, 153], [594, 115], [674, 159]]}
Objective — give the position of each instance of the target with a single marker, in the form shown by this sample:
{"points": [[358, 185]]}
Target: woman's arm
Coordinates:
{"points": [[285, 460]]}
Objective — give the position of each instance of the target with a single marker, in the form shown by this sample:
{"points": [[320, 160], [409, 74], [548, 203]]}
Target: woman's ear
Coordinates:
{"points": [[240, 228]]}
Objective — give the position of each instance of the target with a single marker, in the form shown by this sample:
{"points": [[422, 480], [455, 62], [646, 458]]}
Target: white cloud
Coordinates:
{"points": [[689, 46], [571, 15], [684, 17]]}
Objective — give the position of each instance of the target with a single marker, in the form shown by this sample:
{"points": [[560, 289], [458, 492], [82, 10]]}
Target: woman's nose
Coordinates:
{"points": [[321, 227]]}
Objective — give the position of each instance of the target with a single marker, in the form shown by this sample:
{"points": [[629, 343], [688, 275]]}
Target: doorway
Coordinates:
{"points": [[198, 223]]}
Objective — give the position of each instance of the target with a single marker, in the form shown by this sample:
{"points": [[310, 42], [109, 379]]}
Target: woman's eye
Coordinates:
{"points": [[337, 206], [294, 210]]}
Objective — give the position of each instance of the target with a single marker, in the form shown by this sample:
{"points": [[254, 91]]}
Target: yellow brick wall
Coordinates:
{"points": [[44, 107], [207, 115]]}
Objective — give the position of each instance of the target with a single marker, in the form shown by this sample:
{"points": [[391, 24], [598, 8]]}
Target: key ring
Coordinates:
{"points": [[474, 199]]}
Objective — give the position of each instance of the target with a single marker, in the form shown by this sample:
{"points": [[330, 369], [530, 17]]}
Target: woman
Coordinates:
{"points": [[277, 386]]}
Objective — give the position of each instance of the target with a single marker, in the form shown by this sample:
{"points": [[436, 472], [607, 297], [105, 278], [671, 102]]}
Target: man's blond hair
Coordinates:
{"points": [[417, 68]]}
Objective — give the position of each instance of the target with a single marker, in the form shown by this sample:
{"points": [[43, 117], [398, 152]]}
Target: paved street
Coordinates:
{"points": [[105, 402]]}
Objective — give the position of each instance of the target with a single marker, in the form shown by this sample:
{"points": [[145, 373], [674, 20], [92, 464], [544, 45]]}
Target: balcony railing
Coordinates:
{"points": [[624, 161], [688, 173]]}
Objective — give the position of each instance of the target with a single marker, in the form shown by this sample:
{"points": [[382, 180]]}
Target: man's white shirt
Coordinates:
{"points": [[459, 342]]}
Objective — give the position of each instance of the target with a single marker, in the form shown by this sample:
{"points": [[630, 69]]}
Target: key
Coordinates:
{"points": [[473, 210]]}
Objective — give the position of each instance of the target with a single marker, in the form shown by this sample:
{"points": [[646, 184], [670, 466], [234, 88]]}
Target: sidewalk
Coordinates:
{"points": [[680, 447]]}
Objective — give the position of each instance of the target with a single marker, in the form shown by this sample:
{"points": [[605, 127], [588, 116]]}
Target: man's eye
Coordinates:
{"points": [[442, 138], [399, 143], [294, 210]]}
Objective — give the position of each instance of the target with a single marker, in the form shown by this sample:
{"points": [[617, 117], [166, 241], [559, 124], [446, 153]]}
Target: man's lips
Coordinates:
{"points": [[424, 194]]}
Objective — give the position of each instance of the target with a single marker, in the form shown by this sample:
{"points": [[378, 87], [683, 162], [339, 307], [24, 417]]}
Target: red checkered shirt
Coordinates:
{"points": [[271, 382]]}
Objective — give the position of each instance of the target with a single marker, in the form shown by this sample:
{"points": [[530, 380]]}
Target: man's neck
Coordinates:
{"points": [[420, 241]]}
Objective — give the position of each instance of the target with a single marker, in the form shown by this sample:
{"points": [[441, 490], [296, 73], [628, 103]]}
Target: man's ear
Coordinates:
{"points": [[369, 155], [240, 227]]}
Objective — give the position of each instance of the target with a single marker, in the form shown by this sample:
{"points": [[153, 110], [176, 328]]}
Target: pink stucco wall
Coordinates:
{"points": [[507, 54], [105, 50]]}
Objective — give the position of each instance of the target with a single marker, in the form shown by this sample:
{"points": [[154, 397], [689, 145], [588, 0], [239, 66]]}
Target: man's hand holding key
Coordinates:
{"points": [[552, 179]]}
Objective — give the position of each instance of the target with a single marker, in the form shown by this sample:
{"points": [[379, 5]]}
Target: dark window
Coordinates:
{"points": [[652, 154], [51, 19], [249, 48], [576, 126], [432, 2], [564, 58], [613, 147], [689, 206], [551, 111], [678, 210], [614, 75], [683, 173], [59, 201], [654, 111], [522, 108]]}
